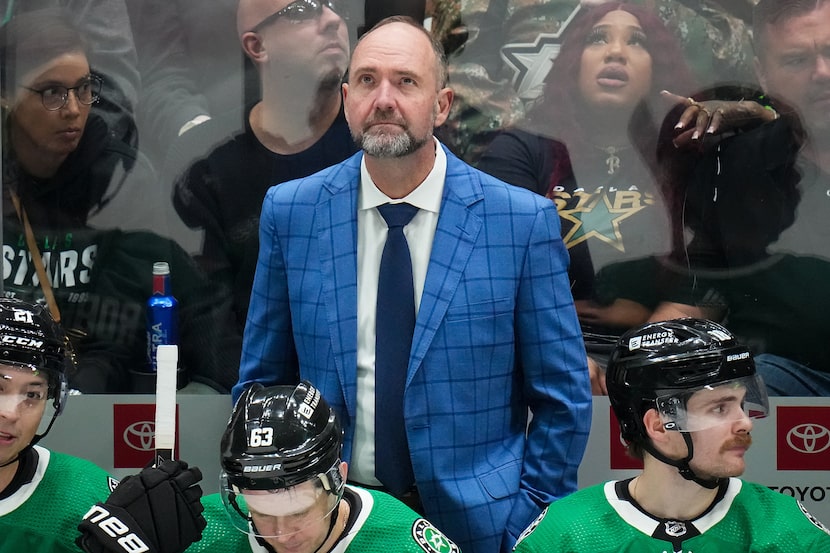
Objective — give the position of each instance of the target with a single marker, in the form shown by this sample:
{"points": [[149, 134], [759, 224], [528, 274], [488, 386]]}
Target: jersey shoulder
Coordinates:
{"points": [[773, 518], [383, 523], [46, 511]]}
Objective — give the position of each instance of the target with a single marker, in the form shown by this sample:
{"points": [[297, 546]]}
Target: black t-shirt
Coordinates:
{"points": [[614, 219], [223, 193]]}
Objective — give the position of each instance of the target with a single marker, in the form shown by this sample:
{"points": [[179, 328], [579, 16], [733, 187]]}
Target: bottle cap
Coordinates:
{"points": [[161, 268]]}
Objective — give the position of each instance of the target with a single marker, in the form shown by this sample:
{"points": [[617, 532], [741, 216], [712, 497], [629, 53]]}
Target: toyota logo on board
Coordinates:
{"points": [[140, 435], [809, 438], [133, 433], [803, 436]]}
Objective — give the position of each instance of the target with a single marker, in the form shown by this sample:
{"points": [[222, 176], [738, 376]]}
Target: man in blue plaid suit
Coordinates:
{"points": [[496, 332]]}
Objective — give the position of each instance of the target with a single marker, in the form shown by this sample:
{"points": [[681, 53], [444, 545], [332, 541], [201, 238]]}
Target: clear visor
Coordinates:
{"points": [[281, 512], [25, 391], [708, 406]]}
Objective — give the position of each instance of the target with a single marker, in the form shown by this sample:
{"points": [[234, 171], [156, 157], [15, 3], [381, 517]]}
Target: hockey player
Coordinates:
{"points": [[283, 486], [685, 393], [44, 494]]}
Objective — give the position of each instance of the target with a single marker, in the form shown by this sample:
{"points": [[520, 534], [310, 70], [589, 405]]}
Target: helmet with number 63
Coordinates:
{"points": [[280, 455]]}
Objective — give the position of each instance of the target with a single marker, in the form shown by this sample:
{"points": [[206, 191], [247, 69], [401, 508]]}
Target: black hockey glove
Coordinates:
{"points": [[156, 511]]}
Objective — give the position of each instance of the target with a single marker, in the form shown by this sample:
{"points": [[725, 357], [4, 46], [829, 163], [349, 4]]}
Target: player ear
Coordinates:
{"points": [[344, 470], [654, 426]]}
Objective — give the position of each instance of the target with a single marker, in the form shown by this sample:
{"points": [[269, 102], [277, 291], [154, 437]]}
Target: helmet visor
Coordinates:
{"points": [[712, 405], [23, 389], [280, 512]]}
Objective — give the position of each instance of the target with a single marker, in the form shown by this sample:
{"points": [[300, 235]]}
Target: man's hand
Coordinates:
{"points": [[155, 511], [597, 374]]}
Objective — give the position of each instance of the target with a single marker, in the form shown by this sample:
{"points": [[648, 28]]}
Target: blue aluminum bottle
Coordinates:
{"points": [[162, 314]]}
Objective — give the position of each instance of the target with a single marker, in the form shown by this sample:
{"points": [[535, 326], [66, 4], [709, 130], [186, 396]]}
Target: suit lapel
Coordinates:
{"points": [[337, 238], [456, 234]]}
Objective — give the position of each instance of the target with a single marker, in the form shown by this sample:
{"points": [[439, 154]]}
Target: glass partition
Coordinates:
{"points": [[685, 147]]}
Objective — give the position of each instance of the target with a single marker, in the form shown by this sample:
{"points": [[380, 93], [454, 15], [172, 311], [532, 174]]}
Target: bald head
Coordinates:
{"points": [[251, 12], [401, 21]]}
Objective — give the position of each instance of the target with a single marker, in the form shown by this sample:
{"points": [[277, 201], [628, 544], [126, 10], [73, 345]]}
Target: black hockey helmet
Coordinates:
{"points": [[31, 339], [277, 439], [670, 359], [662, 365]]}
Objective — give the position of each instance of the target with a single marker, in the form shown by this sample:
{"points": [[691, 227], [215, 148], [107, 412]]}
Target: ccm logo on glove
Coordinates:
{"points": [[114, 528]]}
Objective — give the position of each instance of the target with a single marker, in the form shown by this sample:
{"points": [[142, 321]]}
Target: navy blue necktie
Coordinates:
{"points": [[395, 325]]}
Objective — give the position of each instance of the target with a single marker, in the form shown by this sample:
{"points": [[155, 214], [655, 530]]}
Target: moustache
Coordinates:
{"points": [[384, 118], [744, 440]]}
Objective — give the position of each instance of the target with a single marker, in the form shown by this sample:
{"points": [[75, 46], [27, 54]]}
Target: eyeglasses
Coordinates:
{"points": [[304, 10], [54, 97]]}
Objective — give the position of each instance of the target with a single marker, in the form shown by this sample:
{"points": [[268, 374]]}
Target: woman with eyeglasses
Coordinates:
{"points": [[57, 152], [83, 221]]}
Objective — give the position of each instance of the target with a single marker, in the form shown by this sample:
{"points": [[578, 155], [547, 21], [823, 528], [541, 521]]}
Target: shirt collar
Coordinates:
{"points": [[426, 196]]}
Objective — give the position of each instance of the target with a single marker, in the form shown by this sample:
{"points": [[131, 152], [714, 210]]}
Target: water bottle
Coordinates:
{"points": [[162, 314]]}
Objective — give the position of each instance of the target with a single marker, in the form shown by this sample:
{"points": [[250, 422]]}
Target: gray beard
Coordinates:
{"points": [[388, 146]]}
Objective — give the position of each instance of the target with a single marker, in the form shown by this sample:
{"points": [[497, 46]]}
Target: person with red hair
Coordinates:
{"points": [[590, 144]]}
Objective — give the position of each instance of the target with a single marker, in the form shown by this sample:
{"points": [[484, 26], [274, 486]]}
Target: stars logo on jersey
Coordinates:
{"points": [[529, 530], [430, 539], [531, 61], [112, 483], [597, 216], [816, 522]]}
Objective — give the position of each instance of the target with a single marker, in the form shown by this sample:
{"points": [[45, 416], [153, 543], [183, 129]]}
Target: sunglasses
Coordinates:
{"points": [[303, 10]]}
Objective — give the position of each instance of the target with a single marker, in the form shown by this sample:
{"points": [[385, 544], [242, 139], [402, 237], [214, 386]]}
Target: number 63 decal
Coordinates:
{"points": [[261, 437]]}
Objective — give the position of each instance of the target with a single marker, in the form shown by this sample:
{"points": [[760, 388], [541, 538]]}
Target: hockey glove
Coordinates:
{"points": [[156, 511]]}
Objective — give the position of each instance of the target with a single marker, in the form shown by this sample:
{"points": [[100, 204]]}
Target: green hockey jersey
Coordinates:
{"points": [[377, 523], [748, 518], [42, 516]]}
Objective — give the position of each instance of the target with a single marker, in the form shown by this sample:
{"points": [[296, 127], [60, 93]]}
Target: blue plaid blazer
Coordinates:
{"points": [[496, 335]]}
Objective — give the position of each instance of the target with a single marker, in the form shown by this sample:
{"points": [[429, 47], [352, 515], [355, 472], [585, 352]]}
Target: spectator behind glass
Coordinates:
{"points": [[192, 71], [500, 53], [495, 332], [106, 28], [765, 207], [296, 129], [590, 144], [70, 191]]}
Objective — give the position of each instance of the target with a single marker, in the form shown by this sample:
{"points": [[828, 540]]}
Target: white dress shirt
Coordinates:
{"points": [[371, 237]]}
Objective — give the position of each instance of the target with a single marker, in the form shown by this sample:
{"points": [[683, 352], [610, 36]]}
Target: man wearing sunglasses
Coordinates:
{"points": [[300, 49]]}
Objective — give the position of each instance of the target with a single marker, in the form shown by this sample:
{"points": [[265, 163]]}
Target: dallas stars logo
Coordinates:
{"points": [[533, 525], [597, 216], [531, 61], [430, 539]]}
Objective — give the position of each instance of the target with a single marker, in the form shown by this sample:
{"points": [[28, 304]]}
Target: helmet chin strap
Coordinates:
{"points": [[332, 522], [34, 441], [682, 465], [16, 457]]}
